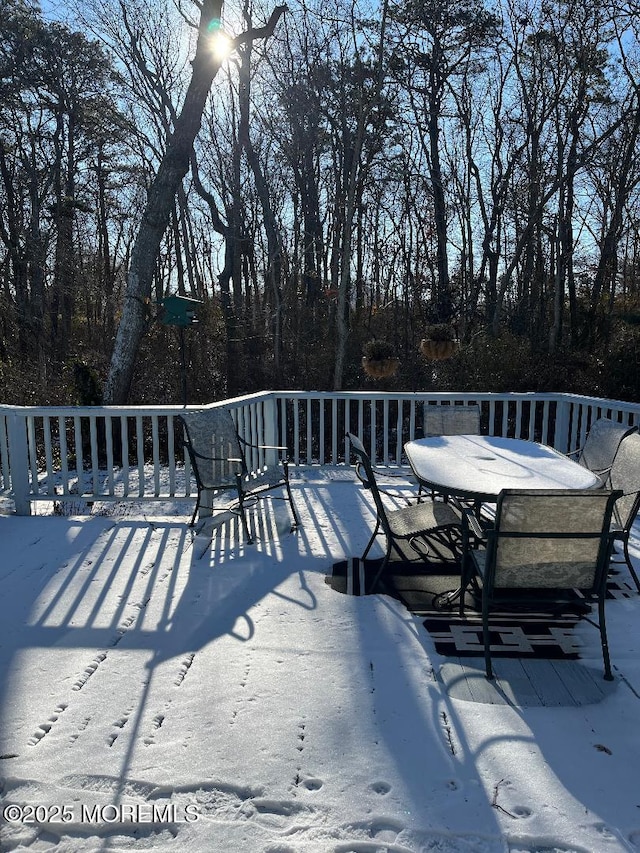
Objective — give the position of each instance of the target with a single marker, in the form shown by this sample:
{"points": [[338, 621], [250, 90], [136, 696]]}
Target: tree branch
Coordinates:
{"points": [[260, 32]]}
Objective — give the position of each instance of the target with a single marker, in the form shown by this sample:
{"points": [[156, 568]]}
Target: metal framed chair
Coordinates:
{"points": [[411, 524], [601, 445], [451, 420], [543, 547], [625, 476], [219, 462]]}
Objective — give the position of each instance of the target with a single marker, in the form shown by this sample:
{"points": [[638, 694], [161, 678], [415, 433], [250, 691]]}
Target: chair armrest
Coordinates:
{"points": [[391, 475], [474, 532], [262, 446], [471, 523], [212, 458], [597, 471]]}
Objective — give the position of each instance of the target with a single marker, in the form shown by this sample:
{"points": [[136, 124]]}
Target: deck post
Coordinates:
{"points": [[561, 430], [18, 462]]}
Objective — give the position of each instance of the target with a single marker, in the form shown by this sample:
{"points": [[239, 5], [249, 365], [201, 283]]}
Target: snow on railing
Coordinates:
{"points": [[134, 453]]}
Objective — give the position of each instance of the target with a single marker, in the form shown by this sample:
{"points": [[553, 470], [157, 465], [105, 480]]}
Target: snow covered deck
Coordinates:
{"points": [[163, 692]]}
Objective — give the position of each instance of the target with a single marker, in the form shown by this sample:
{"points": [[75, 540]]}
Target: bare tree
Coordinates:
{"points": [[440, 42], [173, 167]]}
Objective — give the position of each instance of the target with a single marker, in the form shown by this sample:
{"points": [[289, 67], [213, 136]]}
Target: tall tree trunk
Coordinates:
{"points": [[353, 185], [274, 247], [173, 167], [626, 180], [444, 306]]}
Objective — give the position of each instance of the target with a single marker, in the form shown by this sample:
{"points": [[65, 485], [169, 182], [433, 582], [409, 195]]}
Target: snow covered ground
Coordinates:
{"points": [[163, 693]]}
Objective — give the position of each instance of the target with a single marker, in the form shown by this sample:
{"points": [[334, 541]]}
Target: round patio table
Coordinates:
{"points": [[479, 467]]}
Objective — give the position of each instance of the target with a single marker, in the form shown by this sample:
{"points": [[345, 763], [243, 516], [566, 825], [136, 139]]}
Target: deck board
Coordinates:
{"points": [[525, 683]]}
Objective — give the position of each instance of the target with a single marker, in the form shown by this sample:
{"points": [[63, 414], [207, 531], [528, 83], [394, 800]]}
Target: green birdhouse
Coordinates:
{"points": [[179, 310]]}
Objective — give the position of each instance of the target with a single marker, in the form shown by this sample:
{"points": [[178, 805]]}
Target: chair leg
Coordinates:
{"points": [[245, 525], [241, 510], [383, 566], [371, 541], [285, 466], [627, 559], [603, 638], [464, 582], [486, 639]]}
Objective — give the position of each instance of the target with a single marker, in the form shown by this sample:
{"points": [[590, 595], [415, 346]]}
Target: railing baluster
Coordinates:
{"points": [[33, 454], [140, 454], [519, 425], [505, 417], [373, 449], [108, 431], [296, 432], [347, 428], [155, 439], [493, 417], [77, 446], [5, 483], [95, 465], [171, 455], [124, 430], [48, 454], [309, 432], [321, 433], [385, 431], [545, 422], [5, 469], [399, 431], [532, 420]]}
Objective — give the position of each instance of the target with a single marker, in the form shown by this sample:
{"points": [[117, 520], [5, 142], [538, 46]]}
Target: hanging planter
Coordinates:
{"points": [[380, 368], [379, 360], [440, 342]]}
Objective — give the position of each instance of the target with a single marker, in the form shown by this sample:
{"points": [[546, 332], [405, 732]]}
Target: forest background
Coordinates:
{"points": [[365, 171]]}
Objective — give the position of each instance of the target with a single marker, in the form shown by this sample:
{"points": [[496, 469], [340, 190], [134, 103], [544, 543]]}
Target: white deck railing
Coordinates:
{"points": [[134, 453]]}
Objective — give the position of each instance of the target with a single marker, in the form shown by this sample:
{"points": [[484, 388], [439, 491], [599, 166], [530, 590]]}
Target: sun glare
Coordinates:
{"points": [[221, 44]]}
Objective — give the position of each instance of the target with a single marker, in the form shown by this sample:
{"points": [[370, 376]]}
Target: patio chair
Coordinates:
{"points": [[600, 447], [544, 546], [625, 476], [451, 420], [219, 462], [411, 524]]}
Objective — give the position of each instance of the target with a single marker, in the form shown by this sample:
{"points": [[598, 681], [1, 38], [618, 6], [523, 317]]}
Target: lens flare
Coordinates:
{"points": [[221, 45]]}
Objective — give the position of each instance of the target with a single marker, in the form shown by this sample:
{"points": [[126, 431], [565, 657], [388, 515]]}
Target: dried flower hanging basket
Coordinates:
{"points": [[440, 342], [438, 350], [379, 360], [379, 368]]}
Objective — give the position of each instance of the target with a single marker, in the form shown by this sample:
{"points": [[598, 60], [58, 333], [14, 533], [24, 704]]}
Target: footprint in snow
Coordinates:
{"points": [[380, 788]]}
